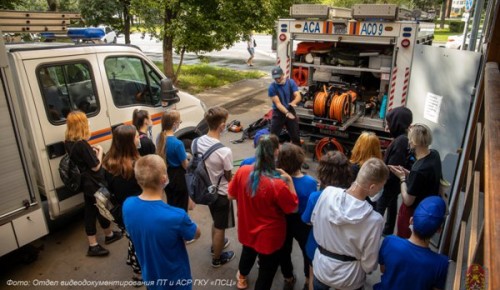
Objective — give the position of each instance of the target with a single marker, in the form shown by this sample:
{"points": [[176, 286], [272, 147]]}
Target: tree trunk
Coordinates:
{"points": [[126, 20], [448, 8], [178, 72], [168, 40], [53, 5], [443, 15]]}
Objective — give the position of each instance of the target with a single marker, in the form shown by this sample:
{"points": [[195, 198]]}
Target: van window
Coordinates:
{"points": [[67, 87], [132, 82]]}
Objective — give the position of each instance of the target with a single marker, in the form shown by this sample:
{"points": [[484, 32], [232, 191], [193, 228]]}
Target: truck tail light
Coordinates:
{"points": [[282, 37], [405, 43]]}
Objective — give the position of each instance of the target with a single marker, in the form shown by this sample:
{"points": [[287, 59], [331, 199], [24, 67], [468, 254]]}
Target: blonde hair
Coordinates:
{"points": [[149, 171], [367, 146], [77, 126], [373, 171], [420, 135], [168, 120]]}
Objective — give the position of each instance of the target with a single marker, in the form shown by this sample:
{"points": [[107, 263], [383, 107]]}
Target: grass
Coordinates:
{"points": [[441, 35], [200, 77]]}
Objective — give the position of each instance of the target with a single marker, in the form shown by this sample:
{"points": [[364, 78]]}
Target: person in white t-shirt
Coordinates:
{"points": [[348, 230], [219, 165], [251, 49]]}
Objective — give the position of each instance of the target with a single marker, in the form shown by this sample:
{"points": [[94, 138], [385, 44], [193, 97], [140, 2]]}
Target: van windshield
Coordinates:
{"points": [[132, 82]]}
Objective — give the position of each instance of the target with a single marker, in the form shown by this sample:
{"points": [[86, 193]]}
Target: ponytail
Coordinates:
{"points": [[160, 148]]}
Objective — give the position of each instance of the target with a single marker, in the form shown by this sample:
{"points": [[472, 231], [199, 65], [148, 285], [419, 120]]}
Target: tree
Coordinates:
{"points": [[115, 13], [204, 25]]}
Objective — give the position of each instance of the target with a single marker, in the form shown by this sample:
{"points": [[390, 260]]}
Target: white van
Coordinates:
{"points": [[42, 82]]}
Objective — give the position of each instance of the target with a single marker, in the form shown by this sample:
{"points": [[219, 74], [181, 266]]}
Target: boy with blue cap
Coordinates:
{"points": [[410, 264]]}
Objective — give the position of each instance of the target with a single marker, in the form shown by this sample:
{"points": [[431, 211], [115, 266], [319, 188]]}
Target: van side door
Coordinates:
{"points": [[58, 86]]}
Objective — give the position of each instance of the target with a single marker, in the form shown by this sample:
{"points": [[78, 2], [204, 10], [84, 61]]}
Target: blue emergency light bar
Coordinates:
{"points": [[78, 33]]}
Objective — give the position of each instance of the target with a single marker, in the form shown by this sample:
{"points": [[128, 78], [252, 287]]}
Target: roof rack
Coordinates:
{"points": [[33, 22]]}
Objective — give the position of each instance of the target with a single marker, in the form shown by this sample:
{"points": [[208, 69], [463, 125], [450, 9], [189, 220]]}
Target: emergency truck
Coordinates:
{"points": [[353, 65], [40, 84]]}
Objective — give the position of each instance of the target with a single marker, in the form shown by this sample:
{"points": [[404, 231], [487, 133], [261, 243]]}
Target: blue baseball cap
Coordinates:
{"points": [[276, 72], [429, 216]]}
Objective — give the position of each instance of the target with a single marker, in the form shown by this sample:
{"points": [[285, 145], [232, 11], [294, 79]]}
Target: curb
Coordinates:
{"points": [[242, 99]]}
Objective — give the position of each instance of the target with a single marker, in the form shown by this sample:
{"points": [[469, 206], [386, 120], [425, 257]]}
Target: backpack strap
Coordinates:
{"points": [[195, 145], [209, 152]]}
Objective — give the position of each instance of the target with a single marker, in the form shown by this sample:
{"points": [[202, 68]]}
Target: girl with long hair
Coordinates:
{"points": [[334, 170], [173, 152], [119, 174], [264, 195], [88, 159], [143, 124]]}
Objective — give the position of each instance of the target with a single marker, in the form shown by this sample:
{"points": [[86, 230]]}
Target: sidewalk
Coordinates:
{"points": [[236, 93]]}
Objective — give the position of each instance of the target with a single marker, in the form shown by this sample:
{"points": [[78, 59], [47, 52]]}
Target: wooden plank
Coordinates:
{"points": [[458, 269], [479, 250], [461, 210], [492, 172], [29, 22], [39, 15], [32, 29], [474, 217]]}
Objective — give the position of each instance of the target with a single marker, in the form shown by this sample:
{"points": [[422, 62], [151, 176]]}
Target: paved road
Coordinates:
{"points": [[235, 57]]}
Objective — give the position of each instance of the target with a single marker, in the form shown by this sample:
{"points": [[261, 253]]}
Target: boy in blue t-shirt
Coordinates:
{"points": [[158, 230], [410, 264]]}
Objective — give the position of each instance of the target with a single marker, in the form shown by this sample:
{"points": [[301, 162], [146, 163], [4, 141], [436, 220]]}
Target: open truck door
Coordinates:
{"points": [[441, 93]]}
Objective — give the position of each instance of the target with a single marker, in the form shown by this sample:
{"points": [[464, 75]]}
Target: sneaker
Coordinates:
{"points": [[115, 237], [225, 257], [97, 250], [289, 283], [241, 281], [226, 244]]}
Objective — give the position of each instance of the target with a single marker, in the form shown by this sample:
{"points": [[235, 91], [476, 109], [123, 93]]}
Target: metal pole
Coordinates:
{"points": [[466, 26], [475, 24]]}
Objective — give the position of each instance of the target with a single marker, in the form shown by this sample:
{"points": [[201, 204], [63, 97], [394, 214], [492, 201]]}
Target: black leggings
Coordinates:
{"points": [[91, 214], [389, 202], [268, 264], [297, 229]]}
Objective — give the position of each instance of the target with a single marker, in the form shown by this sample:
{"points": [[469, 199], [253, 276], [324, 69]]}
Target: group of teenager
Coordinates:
{"points": [[338, 222]]}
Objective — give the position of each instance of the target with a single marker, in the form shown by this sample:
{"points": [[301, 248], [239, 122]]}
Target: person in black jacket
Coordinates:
{"points": [[119, 174], [143, 124], [88, 159], [397, 121]]}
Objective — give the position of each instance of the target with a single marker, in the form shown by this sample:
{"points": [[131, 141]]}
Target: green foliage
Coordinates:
{"points": [[206, 25], [200, 77], [96, 12], [457, 26], [441, 35]]}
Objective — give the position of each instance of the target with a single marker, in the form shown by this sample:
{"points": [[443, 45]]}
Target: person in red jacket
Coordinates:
{"points": [[264, 195]]}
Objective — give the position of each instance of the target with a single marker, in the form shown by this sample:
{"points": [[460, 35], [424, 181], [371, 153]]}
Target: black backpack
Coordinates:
{"points": [[69, 172], [199, 186]]}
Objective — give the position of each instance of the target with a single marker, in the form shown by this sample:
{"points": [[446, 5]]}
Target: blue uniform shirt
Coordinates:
{"points": [[284, 92]]}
